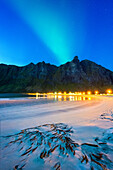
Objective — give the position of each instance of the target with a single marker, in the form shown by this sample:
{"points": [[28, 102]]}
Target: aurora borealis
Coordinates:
{"points": [[56, 31]]}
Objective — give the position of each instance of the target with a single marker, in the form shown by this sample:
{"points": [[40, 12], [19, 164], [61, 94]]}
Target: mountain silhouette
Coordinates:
{"points": [[43, 77]]}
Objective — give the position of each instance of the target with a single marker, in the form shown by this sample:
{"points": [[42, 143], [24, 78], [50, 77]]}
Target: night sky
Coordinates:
{"points": [[55, 31]]}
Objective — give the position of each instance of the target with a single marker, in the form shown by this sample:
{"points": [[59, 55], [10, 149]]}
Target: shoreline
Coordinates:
{"points": [[41, 113]]}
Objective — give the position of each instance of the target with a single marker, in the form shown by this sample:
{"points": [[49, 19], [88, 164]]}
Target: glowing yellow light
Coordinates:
{"points": [[76, 98], [89, 98], [55, 92], [64, 93], [109, 91], [50, 93], [55, 97], [71, 98], [59, 98], [84, 98], [59, 93], [65, 98], [96, 92], [70, 93], [79, 98], [89, 92], [83, 93]]}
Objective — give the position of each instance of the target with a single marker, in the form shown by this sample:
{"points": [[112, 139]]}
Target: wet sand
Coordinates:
{"points": [[70, 134]]}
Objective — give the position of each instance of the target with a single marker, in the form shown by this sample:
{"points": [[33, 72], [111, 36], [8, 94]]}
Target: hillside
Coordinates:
{"points": [[72, 76]]}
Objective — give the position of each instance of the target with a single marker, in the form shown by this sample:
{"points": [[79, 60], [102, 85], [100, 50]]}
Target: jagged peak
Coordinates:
{"points": [[31, 63], [75, 59]]}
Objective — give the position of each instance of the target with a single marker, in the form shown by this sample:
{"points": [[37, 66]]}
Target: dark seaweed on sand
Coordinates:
{"points": [[53, 142]]}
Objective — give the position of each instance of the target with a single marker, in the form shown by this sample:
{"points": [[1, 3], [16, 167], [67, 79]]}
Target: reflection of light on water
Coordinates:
{"points": [[75, 98], [65, 98], [71, 98], [89, 98], [59, 98], [84, 98], [55, 97], [36, 95], [79, 98]]}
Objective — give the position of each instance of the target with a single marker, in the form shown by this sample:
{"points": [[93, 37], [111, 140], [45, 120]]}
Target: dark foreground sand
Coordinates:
{"points": [[56, 135]]}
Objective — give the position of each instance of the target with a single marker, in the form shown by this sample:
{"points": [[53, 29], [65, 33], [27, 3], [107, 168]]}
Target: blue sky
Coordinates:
{"points": [[56, 31]]}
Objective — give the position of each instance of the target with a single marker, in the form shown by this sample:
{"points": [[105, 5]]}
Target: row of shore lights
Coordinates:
{"points": [[108, 92]]}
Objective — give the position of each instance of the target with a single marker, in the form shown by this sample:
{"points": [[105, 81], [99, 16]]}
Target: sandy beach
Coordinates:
{"points": [[50, 134]]}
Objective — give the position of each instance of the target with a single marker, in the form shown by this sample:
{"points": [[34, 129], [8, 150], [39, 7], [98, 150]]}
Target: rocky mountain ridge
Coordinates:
{"points": [[41, 77]]}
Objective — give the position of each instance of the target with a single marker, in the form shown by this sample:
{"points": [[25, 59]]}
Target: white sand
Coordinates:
{"points": [[23, 113], [85, 117]]}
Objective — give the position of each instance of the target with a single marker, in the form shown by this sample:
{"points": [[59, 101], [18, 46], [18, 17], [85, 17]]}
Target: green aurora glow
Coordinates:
{"points": [[48, 24]]}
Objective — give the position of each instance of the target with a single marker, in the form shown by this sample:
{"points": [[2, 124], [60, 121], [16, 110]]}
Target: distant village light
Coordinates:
{"points": [[89, 92], [59, 92], [109, 91], [70, 93], [96, 92]]}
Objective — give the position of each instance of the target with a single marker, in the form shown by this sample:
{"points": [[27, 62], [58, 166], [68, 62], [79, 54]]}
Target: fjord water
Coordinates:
{"points": [[51, 133]]}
